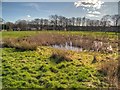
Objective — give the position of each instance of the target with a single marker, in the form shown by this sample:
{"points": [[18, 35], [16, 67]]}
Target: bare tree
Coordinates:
{"points": [[22, 24], [37, 22], [105, 20], [83, 21], [54, 20], [10, 25], [45, 23], [78, 21], [116, 19], [65, 23], [73, 21]]}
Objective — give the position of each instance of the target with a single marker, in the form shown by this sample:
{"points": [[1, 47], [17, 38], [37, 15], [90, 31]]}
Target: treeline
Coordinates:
{"points": [[56, 22]]}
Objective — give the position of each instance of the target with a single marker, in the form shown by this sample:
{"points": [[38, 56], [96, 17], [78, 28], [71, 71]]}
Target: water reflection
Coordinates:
{"points": [[95, 46], [67, 46]]}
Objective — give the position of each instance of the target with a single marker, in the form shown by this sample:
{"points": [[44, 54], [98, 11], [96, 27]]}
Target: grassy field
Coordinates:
{"points": [[48, 67], [16, 34]]}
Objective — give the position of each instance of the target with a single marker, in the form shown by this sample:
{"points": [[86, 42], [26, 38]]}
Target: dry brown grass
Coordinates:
{"points": [[61, 55], [49, 39], [118, 72], [109, 69]]}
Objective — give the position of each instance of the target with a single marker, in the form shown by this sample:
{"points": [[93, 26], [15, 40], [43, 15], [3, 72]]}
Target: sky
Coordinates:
{"points": [[52, 0], [12, 11]]}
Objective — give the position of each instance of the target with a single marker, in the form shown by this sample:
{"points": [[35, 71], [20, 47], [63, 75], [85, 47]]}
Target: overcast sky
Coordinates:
{"points": [[12, 11]]}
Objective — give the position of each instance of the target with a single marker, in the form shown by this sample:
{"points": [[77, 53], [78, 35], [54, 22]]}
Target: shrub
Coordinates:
{"points": [[109, 70], [60, 55]]}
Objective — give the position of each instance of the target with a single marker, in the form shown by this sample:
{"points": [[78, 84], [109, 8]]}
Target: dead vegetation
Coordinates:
{"points": [[60, 55], [49, 39], [109, 70]]}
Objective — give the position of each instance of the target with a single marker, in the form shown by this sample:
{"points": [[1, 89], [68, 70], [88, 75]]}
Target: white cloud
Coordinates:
{"points": [[94, 12], [91, 15], [96, 4], [28, 16], [91, 6], [83, 8]]}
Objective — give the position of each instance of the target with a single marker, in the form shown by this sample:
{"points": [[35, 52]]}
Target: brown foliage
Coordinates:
{"points": [[109, 70], [61, 55], [49, 39]]}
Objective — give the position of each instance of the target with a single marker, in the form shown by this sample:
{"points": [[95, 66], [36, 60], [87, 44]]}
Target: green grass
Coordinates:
{"points": [[36, 69], [16, 34]]}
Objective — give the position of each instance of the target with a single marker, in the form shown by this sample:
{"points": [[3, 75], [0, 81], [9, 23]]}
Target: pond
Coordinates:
{"points": [[68, 46], [96, 46]]}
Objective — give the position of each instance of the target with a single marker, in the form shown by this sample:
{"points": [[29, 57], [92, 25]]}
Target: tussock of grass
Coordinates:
{"points": [[29, 64], [38, 69], [109, 70], [61, 55]]}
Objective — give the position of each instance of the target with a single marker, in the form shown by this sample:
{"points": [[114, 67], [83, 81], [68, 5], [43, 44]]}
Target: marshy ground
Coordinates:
{"points": [[30, 61]]}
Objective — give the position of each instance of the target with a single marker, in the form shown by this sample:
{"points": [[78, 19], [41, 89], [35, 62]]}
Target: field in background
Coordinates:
{"points": [[48, 67], [17, 34]]}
